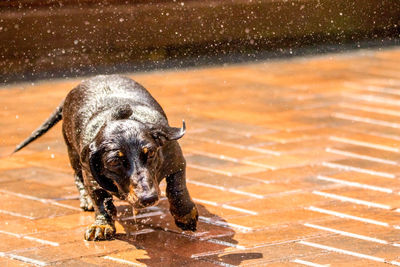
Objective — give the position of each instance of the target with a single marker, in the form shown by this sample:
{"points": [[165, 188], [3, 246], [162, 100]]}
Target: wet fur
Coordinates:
{"points": [[120, 144]]}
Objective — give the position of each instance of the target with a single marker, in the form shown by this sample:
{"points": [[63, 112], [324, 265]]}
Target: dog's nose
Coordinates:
{"points": [[149, 200]]}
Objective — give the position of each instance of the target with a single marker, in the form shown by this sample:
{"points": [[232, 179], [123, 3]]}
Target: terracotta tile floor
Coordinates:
{"points": [[292, 162]]}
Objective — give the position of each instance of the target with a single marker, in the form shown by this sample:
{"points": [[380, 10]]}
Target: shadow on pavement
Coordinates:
{"points": [[154, 231]]}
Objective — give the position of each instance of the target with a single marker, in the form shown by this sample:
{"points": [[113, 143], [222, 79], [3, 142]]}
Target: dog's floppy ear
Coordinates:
{"points": [[168, 133], [122, 112], [96, 167]]}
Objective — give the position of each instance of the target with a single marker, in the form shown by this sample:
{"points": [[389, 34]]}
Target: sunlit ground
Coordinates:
{"points": [[289, 162]]}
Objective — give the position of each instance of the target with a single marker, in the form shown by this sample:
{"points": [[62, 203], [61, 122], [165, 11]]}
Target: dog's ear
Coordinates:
{"points": [[176, 133], [122, 112], [96, 167], [168, 134]]}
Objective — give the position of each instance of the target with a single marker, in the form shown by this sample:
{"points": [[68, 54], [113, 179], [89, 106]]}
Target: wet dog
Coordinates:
{"points": [[120, 144]]}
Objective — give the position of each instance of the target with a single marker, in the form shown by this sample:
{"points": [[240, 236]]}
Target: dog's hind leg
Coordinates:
{"points": [[84, 198], [86, 202]]}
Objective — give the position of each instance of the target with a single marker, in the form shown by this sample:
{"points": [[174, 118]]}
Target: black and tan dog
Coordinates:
{"points": [[119, 143]]}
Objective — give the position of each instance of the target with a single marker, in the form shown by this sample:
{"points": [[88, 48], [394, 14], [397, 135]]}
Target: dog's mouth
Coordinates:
{"points": [[143, 201]]}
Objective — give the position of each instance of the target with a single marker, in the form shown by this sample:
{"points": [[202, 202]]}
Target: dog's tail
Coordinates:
{"points": [[50, 122]]}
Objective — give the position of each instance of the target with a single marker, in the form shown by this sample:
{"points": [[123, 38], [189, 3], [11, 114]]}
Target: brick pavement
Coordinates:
{"points": [[291, 162]]}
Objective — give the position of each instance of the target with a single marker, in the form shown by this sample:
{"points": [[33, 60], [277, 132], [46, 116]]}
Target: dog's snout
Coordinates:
{"points": [[145, 188], [148, 200]]}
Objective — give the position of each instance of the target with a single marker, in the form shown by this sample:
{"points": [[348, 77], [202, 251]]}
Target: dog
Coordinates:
{"points": [[120, 144]]}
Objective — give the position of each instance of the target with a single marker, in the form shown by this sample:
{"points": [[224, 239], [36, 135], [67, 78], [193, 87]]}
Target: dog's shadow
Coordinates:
{"points": [[160, 242]]}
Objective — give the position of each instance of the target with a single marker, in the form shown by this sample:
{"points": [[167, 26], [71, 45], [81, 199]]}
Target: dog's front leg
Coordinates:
{"points": [[182, 207], [103, 227]]}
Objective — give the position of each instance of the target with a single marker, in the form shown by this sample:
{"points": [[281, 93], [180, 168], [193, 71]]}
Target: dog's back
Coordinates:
{"points": [[93, 101]]}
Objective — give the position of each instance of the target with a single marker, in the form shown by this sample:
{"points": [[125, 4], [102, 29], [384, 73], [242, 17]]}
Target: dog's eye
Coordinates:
{"points": [[114, 163], [149, 152]]}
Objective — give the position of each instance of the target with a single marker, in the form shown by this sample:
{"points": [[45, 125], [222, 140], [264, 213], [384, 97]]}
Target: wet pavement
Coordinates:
{"points": [[292, 162]]}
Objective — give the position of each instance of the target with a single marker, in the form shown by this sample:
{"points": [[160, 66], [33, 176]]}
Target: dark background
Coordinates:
{"points": [[58, 38]]}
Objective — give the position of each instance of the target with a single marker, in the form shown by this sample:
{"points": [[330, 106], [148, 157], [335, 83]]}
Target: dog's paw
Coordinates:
{"points": [[86, 203], [98, 232], [188, 221]]}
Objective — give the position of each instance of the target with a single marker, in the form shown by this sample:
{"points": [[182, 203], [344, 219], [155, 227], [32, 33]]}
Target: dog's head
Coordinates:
{"points": [[124, 157]]}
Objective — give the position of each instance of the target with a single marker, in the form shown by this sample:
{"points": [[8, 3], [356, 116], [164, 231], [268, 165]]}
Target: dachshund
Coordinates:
{"points": [[120, 144]]}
